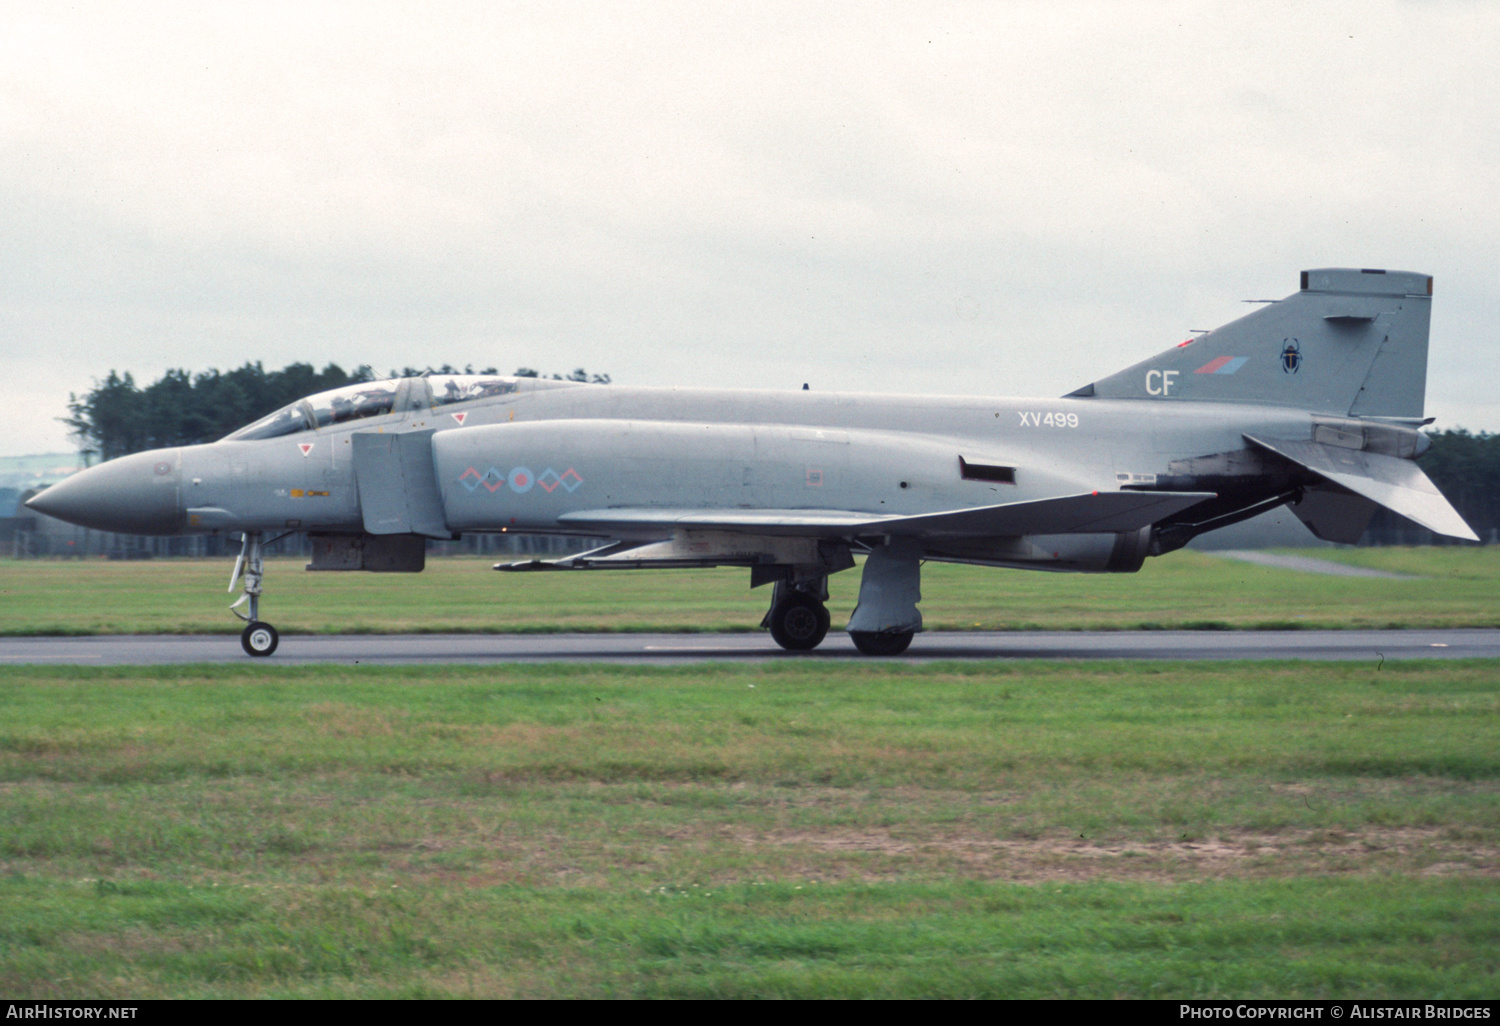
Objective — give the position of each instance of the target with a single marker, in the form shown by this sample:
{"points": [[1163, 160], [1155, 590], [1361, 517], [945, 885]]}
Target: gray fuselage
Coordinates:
{"points": [[522, 461]]}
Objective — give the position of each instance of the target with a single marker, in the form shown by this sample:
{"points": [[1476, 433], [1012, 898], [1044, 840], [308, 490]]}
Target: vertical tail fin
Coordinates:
{"points": [[1349, 342]]}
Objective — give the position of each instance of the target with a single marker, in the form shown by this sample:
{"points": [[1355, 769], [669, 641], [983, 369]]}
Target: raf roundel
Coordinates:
{"points": [[522, 480]]}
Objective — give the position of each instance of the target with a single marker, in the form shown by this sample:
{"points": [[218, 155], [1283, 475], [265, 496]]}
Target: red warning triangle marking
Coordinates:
{"points": [[459, 416], [306, 447]]}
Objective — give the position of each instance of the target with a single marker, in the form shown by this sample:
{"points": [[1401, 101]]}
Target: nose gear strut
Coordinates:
{"points": [[257, 639]]}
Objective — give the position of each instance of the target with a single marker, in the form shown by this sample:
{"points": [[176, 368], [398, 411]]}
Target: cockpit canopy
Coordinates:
{"points": [[375, 399]]}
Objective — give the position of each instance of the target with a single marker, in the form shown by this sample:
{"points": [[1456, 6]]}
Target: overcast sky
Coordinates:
{"points": [[982, 198]]}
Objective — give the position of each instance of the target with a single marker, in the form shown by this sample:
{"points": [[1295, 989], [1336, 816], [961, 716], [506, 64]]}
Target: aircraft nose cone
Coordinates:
{"points": [[136, 494]]}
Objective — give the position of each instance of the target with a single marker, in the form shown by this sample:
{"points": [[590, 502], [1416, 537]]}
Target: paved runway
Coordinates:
{"points": [[1306, 564], [664, 649]]}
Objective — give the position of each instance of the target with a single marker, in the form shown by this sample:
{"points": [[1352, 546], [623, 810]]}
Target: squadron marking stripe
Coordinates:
{"points": [[1223, 365], [521, 480]]}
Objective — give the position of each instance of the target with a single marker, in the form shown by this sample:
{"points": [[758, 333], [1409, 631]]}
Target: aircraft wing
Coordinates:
{"points": [[1397, 484], [1087, 513]]}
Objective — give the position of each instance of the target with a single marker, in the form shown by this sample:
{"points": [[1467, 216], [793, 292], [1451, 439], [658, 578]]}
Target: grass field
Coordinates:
{"points": [[988, 829], [1454, 587]]}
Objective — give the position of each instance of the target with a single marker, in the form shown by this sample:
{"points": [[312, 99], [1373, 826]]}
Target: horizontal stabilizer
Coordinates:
{"points": [[1089, 513], [1397, 484]]}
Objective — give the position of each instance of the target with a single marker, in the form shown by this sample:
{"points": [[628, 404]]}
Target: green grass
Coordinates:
{"points": [[1456, 587], [1296, 938], [987, 829]]}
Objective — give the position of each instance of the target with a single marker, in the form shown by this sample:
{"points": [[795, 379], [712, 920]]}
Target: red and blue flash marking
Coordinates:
{"points": [[1223, 365]]}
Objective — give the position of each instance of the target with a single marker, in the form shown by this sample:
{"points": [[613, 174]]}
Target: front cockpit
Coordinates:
{"points": [[378, 398]]}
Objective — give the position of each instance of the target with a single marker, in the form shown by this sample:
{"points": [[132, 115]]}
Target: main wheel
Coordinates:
{"points": [[259, 639], [799, 622], [877, 643]]}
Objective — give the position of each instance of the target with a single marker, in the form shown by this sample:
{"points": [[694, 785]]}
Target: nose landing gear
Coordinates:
{"points": [[257, 639]]}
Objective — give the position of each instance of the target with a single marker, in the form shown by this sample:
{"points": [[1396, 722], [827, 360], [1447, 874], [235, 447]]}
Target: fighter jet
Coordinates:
{"points": [[1313, 401]]}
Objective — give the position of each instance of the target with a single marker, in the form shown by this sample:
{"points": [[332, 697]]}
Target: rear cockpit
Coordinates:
{"points": [[378, 398]]}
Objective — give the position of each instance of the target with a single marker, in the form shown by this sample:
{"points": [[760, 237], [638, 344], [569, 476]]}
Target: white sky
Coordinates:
{"points": [[1003, 198]]}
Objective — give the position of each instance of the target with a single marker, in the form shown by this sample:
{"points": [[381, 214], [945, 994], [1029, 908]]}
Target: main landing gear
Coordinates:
{"points": [[887, 617], [798, 620], [879, 643], [257, 639], [884, 621]]}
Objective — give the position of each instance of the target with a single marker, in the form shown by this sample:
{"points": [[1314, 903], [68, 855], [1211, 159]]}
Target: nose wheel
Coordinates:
{"points": [[258, 638]]}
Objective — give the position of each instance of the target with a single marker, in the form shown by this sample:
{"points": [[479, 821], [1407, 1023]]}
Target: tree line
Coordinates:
{"points": [[117, 417]]}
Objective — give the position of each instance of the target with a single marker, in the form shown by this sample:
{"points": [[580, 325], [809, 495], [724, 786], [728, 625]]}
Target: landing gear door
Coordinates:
{"points": [[398, 491]]}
